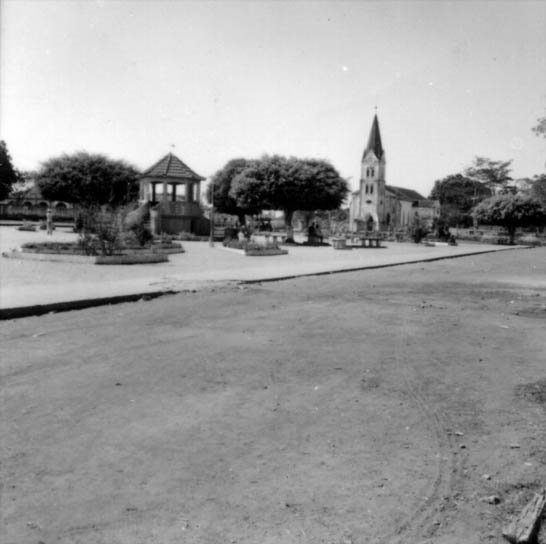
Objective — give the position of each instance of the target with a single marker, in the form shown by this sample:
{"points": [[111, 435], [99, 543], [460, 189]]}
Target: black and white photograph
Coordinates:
{"points": [[272, 271]]}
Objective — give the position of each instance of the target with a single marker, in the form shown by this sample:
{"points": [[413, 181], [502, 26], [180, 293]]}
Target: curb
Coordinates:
{"points": [[41, 309], [375, 266]]}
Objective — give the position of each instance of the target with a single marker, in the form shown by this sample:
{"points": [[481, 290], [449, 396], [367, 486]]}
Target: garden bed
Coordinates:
{"points": [[265, 252], [73, 252], [135, 258], [59, 248], [73, 248], [253, 249]]}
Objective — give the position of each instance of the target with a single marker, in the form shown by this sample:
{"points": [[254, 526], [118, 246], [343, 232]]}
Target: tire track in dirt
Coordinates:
{"points": [[425, 520]]}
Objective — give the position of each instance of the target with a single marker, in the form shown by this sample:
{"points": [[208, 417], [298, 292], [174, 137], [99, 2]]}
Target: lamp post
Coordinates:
{"points": [[211, 236]]}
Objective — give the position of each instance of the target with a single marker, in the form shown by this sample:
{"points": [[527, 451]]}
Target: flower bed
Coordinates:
{"points": [[158, 253], [253, 249], [146, 258], [265, 252], [62, 248]]}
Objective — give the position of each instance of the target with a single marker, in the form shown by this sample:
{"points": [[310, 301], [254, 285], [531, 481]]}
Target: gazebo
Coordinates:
{"points": [[172, 211]]}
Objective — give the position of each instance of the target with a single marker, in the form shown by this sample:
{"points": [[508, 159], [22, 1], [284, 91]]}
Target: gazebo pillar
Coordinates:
{"points": [[165, 196], [153, 191], [188, 191], [173, 192]]}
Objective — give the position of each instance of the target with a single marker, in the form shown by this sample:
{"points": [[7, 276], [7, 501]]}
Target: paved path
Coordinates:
{"points": [[27, 283]]}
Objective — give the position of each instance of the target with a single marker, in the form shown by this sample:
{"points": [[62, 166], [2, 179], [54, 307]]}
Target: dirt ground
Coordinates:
{"points": [[376, 406]]}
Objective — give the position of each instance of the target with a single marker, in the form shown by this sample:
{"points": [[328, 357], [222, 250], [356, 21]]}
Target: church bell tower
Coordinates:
{"points": [[372, 180]]}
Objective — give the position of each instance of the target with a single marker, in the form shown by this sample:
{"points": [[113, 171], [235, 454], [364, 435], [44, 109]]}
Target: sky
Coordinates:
{"points": [[211, 81]]}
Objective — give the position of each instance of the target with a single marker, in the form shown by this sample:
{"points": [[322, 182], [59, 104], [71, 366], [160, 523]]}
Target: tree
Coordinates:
{"points": [[538, 189], [222, 181], [458, 194], [540, 128], [8, 174], [511, 212], [289, 184], [534, 187], [88, 179], [495, 175]]}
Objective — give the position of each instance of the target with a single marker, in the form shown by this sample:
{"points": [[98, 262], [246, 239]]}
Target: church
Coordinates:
{"points": [[381, 207]]}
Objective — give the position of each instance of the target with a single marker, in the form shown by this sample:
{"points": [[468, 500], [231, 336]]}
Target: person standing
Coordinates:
{"points": [[49, 221]]}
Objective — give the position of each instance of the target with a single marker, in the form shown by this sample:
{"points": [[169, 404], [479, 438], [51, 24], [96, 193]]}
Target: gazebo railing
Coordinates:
{"points": [[180, 208]]}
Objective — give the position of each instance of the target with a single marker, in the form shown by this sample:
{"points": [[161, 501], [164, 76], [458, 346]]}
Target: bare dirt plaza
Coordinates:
{"points": [[372, 406]]}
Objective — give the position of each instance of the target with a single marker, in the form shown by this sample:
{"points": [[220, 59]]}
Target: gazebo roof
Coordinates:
{"points": [[171, 166]]}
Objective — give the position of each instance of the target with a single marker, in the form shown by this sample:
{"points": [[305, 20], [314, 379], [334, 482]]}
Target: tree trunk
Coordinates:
{"points": [[288, 222], [242, 219]]}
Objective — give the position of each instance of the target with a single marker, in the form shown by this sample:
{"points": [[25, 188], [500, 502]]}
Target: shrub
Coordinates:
{"points": [[101, 230], [165, 238], [142, 233]]}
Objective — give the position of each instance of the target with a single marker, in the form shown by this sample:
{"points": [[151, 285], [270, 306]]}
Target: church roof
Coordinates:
{"points": [[374, 141], [404, 194], [172, 167]]}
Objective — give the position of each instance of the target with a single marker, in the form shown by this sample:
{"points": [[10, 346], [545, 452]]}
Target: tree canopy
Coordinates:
{"points": [[8, 174], [458, 194], [289, 184], [222, 181], [88, 179], [495, 175], [510, 211], [534, 187]]}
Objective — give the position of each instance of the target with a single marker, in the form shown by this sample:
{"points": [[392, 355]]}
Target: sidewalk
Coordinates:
{"points": [[34, 287]]}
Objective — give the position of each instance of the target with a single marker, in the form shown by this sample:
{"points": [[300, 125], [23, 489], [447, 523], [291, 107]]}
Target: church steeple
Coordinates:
{"points": [[374, 141]]}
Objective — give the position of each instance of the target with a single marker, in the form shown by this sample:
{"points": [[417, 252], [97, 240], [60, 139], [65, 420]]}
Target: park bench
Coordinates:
{"points": [[366, 239], [269, 237]]}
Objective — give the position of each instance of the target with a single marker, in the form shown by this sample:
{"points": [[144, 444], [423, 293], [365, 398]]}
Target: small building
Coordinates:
{"points": [[378, 206], [30, 204], [172, 190]]}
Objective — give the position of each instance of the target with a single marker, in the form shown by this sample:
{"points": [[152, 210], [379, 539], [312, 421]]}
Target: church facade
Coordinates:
{"points": [[381, 207]]}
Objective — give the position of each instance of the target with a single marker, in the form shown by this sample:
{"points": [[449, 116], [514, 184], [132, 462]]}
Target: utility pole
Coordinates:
{"points": [[211, 236]]}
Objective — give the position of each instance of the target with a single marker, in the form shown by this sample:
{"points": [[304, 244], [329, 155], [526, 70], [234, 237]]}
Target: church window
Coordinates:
{"points": [[371, 189], [372, 172]]}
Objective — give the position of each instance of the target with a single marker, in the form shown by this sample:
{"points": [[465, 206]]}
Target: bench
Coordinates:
{"points": [[269, 237], [366, 240]]}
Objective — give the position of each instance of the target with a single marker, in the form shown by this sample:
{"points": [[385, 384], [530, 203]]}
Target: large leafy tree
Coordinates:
{"points": [[510, 211], [8, 174], [88, 179], [458, 194], [289, 184], [495, 175], [222, 181]]}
